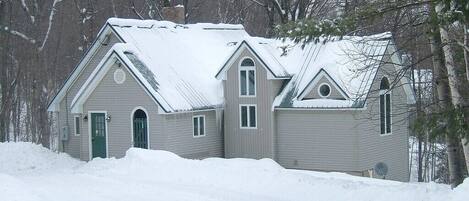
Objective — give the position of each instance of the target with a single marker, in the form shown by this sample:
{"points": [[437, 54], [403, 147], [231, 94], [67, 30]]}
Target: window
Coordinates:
{"points": [[324, 90], [248, 116], [385, 107], [247, 78], [77, 125], [198, 125]]}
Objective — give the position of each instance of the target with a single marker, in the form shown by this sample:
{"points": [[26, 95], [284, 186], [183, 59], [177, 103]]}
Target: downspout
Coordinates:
{"points": [[67, 124]]}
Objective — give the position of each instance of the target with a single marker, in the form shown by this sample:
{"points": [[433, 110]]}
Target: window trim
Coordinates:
{"points": [[75, 117], [247, 69], [248, 116], [198, 121], [319, 90], [385, 92]]}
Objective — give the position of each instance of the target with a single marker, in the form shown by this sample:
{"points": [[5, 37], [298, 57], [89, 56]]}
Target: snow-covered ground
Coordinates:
{"points": [[30, 172]]}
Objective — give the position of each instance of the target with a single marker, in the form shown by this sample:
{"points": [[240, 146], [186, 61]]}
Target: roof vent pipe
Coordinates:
{"points": [[174, 14]]}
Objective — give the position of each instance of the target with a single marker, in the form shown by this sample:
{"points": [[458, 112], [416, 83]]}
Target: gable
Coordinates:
{"points": [[114, 94], [312, 90], [274, 68], [351, 64], [112, 58], [103, 42], [404, 81]]}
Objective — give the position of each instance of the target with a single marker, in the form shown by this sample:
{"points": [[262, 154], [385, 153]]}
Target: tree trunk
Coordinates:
{"points": [[442, 96], [466, 53], [453, 79], [465, 141]]}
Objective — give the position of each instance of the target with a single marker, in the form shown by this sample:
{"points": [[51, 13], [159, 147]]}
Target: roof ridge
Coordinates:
{"points": [[123, 22]]}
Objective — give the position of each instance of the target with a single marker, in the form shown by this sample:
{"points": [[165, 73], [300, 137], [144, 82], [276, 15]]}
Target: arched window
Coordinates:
{"points": [[247, 78], [385, 106], [247, 62], [140, 129]]}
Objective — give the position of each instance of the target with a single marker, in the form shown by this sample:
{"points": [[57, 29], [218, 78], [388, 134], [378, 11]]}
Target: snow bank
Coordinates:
{"points": [[161, 175], [25, 157]]}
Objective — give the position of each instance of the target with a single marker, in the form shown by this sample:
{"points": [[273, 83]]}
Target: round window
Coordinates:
{"points": [[324, 90], [119, 76]]}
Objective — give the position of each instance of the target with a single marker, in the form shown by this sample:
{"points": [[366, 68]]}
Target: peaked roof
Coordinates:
{"points": [[351, 62], [321, 73], [268, 60], [183, 59], [179, 64]]}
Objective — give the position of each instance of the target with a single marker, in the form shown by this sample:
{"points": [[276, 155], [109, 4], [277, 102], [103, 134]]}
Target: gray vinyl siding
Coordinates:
{"points": [[171, 132], [390, 149], [347, 141], [249, 143], [314, 93], [317, 140], [180, 140], [74, 145]]}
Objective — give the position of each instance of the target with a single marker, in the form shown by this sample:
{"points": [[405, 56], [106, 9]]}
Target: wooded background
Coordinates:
{"points": [[41, 42]]}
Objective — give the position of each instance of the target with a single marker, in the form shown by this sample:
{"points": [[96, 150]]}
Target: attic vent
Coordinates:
{"points": [[231, 43], [180, 26], [119, 76], [324, 90], [145, 27]]}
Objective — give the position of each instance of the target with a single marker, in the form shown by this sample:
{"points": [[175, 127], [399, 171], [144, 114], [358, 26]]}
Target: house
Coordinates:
{"points": [[211, 90]]}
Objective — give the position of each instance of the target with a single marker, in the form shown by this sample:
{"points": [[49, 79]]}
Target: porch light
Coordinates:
{"points": [[85, 118], [108, 118]]}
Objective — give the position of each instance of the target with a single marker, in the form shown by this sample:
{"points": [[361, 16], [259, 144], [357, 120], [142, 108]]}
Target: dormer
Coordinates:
{"points": [[322, 86]]}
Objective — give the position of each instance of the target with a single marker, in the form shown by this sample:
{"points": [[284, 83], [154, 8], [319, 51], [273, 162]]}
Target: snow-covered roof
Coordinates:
{"points": [[179, 64], [182, 58], [269, 60], [351, 62]]}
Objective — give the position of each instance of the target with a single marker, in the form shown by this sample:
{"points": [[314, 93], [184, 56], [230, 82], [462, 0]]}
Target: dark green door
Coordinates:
{"points": [[98, 135], [140, 129]]}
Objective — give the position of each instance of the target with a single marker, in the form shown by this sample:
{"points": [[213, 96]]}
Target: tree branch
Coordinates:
{"points": [[27, 11], [51, 17], [18, 34], [132, 6]]}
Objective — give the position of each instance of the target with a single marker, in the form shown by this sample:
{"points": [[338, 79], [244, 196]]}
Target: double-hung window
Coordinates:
{"points": [[248, 116], [198, 125], [247, 78], [385, 107]]}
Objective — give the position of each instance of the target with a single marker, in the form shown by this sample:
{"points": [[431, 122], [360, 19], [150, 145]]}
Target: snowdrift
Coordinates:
{"points": [[30, 172]]}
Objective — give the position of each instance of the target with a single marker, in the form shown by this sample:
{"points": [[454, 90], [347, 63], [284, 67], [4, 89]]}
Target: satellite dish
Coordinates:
{"points": [[381, 169]]}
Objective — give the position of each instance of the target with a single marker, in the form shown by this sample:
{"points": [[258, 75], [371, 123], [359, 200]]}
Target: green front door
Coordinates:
{"points": [[98, 135]]}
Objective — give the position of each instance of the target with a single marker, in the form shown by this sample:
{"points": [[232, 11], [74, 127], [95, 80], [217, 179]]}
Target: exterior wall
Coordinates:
{"points": [[249, 143], [348, 141], [74, 145], [391, 149], [317, 140], [167, 132], [179, 138], [314, 93]]}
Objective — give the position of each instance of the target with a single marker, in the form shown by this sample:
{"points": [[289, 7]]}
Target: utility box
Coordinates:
{"points": [[64, 133]]}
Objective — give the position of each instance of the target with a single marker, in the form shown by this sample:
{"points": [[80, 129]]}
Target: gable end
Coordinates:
{"points": [[221, 74], [314, 84], [105, 32]]}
